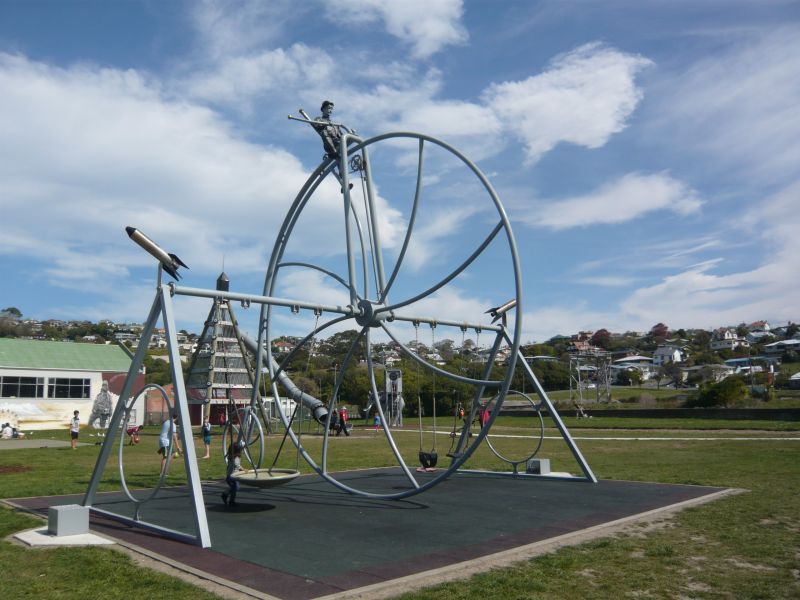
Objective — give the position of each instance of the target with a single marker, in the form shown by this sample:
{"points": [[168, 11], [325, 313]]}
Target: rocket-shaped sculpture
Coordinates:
{"points": [[169, 261], [499, 312]]}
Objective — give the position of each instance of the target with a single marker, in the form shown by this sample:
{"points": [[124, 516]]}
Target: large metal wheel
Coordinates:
{"points": [[388, 279]]}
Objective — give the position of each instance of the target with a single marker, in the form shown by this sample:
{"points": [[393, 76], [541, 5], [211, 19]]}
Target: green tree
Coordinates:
{"points": [[728, 392], [445, 348], [537, 350], [673, 371], [157, 371], [630, 377], [701, 339], [552, 375]]}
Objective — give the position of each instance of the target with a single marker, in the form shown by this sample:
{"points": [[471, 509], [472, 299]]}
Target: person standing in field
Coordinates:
{"points": [[205, 431], [164, 439], [74, 429], [343, 423]]}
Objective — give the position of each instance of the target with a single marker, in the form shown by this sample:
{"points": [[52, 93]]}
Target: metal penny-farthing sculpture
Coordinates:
{"points": [[362, 247], [369, 277]]}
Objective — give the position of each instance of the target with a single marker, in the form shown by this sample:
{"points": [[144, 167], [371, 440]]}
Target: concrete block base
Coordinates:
{"points": [[70, 519], [538, 466]]}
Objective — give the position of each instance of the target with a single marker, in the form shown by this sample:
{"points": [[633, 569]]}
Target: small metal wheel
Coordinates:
{"points": [[538, 431]]}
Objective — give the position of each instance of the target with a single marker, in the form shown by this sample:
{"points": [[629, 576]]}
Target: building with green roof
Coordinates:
{"points": [[43, 382]]}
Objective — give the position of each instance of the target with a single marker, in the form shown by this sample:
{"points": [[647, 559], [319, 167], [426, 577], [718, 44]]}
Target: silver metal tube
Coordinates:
{"points": [[315, 405], [587, 470], [377, 250], [182, 407], [435, 369], [206, 293], [412, 219], [446, 322]]}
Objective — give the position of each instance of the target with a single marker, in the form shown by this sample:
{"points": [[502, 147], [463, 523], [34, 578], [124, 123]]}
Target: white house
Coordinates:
{"points": [[729, 343], [667, 354], [642, 364]]}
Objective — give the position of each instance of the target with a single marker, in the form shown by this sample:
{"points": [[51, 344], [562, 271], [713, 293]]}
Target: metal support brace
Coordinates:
{"points": [[587, 470], [162, 307]]}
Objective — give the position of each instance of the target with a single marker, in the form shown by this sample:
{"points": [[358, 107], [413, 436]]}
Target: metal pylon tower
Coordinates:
{"points": [[589, 377], [220, 372]]}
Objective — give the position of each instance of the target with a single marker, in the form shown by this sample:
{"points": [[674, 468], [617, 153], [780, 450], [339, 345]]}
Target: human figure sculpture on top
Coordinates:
{"points": [[331, 133]]}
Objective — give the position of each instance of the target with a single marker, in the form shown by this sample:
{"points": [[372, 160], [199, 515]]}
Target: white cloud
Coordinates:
{"points": [[542, 323], [606, 281], [714, 292], [583, 98], [426, 26], [89, 152], [618, 201], [236, 26], [238, 80], [738, 107], [709, 293], [429, 242]]}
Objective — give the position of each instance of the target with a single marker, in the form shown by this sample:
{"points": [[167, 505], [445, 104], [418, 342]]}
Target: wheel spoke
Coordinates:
{"points": [[316, 267], [296, 349], [432, 367], [411, 221], [449, 277], [335, 395], [385, 422]]}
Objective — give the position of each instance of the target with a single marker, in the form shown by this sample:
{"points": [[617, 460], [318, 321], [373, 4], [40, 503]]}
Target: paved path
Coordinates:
{"points": [[787, 437], [34, 443]]}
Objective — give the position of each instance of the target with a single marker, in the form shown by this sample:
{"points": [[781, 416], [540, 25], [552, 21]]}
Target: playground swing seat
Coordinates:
{"points": [[265, 478], [427, 460]]}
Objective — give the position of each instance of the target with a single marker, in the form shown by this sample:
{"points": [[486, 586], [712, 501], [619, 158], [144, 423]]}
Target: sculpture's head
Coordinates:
{"points": [[326, 108]]}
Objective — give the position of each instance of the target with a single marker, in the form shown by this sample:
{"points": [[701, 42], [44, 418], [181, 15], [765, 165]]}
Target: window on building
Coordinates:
{"points": [[21, 387], [68, 388]]}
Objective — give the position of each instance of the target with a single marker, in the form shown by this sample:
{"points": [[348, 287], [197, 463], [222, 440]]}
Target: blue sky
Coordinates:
{"points": [[646, 152]]}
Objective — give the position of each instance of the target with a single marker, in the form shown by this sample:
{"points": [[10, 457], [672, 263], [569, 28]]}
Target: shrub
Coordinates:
{"points": [[727, 392]]}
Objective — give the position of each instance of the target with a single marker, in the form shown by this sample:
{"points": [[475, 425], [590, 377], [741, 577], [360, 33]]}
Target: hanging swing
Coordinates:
{"points": [[427, 460], [265, 478], [458, 410]]}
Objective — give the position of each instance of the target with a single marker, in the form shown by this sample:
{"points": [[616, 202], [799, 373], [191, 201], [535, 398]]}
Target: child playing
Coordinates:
{"points": [[234, 465], [164, 439], [205, 431], [74, 428]]}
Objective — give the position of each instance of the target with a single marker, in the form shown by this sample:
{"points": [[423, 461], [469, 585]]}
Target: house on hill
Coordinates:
{"points": [[781, 347], [636, 362], [43, 382], [667, 354], [725, 338]]}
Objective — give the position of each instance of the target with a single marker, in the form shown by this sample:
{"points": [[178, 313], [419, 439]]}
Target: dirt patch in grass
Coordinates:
{"points": [[742, 564], [697, 586], [14, 469]]}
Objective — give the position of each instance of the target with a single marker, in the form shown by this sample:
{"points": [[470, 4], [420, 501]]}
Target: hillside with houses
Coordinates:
{"points": [[764, 356]]}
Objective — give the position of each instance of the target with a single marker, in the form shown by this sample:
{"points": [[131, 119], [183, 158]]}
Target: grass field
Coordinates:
{"points": [[744, 546]]}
